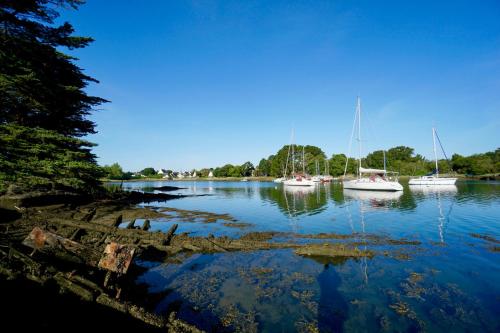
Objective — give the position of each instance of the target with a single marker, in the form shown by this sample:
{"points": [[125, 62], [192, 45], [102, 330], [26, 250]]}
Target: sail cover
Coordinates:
{"points": [[363, 170]]}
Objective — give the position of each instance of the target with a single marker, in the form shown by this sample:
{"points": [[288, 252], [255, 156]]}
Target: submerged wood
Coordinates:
{"points": [[117, 221], [170, 234], [131, 224], [146, 226]]}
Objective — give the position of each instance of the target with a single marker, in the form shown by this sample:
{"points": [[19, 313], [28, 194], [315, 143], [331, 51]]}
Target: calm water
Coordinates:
{"points": [[450, 282]]}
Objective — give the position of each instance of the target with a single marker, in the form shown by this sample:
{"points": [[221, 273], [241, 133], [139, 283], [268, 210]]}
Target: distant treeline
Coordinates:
{"points": [[400, 159]]}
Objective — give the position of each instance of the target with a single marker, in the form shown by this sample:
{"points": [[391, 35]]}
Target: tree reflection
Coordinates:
{"points": [[295, 201]]}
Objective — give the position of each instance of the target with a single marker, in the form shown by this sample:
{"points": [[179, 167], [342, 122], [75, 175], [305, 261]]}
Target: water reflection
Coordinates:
{"points": [[332, 307], [448, 288], [375, 199], [297, 201], [430, 189], [363, 263], [438, 191]]}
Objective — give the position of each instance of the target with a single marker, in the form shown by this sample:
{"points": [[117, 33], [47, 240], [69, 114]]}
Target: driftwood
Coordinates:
{"points": [[77, 234], [135, 311], [177, 325], [146, 226], [75, 288], [118, 220], [127, 235], [39, 239], [170, 234], [117, 258], [90, 215], [131, 224], [32, 265]]}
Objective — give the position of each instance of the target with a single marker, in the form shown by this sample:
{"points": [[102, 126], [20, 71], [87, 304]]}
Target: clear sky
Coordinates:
{"points": [[202, 83]]}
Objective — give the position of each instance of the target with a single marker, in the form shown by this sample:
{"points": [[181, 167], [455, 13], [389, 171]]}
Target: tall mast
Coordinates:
{"points": [[358, 109], [293, 156], [435, 154], [385, 168], [288, 155], [303, 161]]}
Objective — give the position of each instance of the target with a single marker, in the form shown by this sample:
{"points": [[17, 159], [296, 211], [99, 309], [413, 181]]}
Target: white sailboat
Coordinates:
{"points": [[378, 179], [281, 180], [327, 178], [297, 179], [317, 178], [434, 178]]}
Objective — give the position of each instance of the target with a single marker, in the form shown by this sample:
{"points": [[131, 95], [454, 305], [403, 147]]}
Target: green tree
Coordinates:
{"points": [[264, 167], [148, 172], [39, 159], [43, 104], [203, 172], [337, 165], [375, 159], [39, 85], [114, 171], [400, 153], [481, 164], [223, 171], [235, 171], [247, 169]]}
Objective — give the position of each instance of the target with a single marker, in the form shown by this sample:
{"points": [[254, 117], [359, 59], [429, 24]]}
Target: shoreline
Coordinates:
{"points": [[486, 177]]}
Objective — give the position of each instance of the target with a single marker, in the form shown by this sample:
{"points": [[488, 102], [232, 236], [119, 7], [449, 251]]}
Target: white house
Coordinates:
{"points": [[162, 171], [210, 174]]}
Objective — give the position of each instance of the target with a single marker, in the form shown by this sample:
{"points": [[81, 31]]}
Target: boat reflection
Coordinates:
{"points": [[376, 199], [429, 189], [439, 191], [368, 200], [301, 190]]}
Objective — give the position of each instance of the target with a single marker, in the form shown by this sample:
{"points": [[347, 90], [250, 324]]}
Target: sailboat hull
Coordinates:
{"points": [[368, 185], [298, 182], [432, 181]]}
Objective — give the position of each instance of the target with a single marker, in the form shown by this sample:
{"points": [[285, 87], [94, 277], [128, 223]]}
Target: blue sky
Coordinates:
{"points": [[201, 83]]}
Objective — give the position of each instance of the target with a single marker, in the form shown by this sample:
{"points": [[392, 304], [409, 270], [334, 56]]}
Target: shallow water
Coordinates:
{"points": [[449, 282]]}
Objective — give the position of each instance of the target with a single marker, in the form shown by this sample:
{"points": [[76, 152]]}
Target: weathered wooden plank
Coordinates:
{"points": [[39, 239], [117, 258]]}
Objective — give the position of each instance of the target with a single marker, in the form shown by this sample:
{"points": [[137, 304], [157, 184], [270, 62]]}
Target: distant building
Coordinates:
{"points": [[162, 172], [210, 174], [194, 174], [180, 175]]}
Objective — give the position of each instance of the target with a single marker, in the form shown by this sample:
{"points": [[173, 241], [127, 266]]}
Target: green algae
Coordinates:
{"points": [[333, 250], [486, 238]]}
